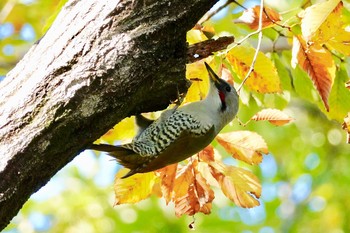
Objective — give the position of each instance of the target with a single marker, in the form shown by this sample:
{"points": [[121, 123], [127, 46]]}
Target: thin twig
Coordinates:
{"points": [[245, 38], [251, 69], [237, 3], [276, 23], [210, 14]]}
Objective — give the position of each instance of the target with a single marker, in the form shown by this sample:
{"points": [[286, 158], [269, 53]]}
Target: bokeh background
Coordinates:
{"points": [[305, 178]]}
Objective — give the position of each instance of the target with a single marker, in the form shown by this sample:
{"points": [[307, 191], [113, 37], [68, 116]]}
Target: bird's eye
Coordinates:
{"points": [[228, 88]]}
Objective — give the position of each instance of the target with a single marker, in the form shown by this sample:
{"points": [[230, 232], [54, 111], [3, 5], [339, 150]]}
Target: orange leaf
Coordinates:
{"points": [[346, 127], [207, 154], [184, 178], [240, 186], [134, 188], [318, 63], [274, 116], [208, 157], [198, 197], [251, 17], [244, 145], [167, 177]]}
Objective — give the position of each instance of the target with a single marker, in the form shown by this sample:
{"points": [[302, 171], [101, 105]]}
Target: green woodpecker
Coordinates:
{"points": [[178, 133]]}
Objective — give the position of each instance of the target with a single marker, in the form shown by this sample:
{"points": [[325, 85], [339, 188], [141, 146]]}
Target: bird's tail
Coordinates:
{"points": [[123, 155], [114, 151]]}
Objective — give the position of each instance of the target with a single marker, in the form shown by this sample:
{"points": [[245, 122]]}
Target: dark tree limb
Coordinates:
{"points": [[101, 61], [206, 48]]}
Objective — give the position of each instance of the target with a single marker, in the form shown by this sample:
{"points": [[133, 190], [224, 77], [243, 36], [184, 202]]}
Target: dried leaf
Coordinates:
{"points": [[167, 176], [207, 154], [240, 186], [244, 145], [318, 63], [134, 188], [314, 16], [198, 197], [184, 178], [274, 116], [264, 78], [251, 17]]}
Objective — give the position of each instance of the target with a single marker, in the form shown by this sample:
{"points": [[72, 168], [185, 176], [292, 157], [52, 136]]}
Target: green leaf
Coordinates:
{"points": [[283, 73], [303, 85], [339, 98]]}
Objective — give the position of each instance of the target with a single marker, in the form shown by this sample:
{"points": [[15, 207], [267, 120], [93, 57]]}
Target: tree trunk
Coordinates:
{"points": [[101, 61]]}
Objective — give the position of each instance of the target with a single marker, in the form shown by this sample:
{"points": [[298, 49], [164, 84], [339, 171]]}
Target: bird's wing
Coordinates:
{"points": [[159, 135], [142, 124]]}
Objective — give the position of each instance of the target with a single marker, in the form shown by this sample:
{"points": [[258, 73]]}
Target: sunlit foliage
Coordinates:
{"points": [[304, 178]]}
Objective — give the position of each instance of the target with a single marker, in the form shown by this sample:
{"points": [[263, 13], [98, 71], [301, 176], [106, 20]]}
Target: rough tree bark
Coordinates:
{"points": [[101, 61]]}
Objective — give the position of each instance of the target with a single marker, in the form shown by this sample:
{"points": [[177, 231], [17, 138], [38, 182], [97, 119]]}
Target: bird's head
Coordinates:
{"points": [[224, 95]]}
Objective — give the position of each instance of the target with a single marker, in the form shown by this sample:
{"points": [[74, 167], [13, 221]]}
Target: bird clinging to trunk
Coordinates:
{"points": [[178, 133]]}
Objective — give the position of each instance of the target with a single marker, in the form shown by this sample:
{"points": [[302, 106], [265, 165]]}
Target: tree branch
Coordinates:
{"points": [[206, 48], [100, 61]]}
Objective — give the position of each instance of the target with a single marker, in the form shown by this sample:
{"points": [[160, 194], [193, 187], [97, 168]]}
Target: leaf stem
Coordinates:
{"points": [[259, 31]]}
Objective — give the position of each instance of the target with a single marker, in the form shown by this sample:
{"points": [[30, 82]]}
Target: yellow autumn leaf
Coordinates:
{"points": [[274, 116], [330, 27], [240, 186], [314, 16], [134, 188], [244, 145], [195, 36], [264, 78], [341, 42], [318, 63], [333, 30], [198, 75], [125, 129]]}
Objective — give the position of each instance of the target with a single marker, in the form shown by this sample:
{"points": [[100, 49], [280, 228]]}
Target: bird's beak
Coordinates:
{"points": [[212, 74]]}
